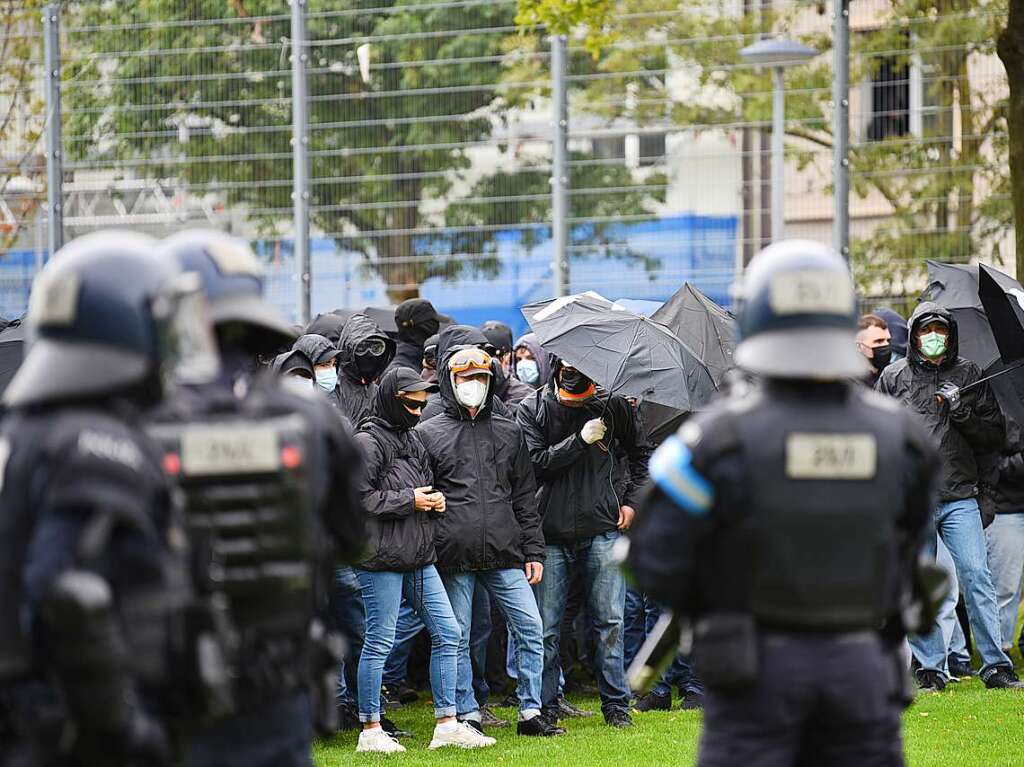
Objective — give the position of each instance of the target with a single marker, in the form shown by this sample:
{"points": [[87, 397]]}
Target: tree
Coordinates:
{"points": [[1011, 51], [391, 141], [944, 185], [22, 171]]}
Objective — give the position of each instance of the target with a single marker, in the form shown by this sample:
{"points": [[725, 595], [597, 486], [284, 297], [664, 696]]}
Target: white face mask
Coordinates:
{"points": [[471, 393]]}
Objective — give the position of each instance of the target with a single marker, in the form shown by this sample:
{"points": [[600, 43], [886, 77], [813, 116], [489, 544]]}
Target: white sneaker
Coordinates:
{"points": [[377, 741], [459, 734]]}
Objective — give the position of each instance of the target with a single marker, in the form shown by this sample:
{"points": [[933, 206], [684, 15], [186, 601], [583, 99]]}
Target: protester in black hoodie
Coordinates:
{"points": [[591, 462], [453, 338], [417, 321], [364, 352], [323, 354], [490, 532], [403, 509], [1005, 536], [964, 424]]}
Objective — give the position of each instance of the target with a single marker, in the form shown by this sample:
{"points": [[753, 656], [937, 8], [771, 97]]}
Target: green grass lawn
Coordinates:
{"points": [[966, 726]]}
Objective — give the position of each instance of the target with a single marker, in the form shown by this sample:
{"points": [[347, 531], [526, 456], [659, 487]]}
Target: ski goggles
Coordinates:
{"points": [[471, 361], [373, 347]]}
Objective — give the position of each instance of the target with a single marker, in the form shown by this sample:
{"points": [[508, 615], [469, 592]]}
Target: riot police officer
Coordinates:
{"points": [[786, 522], [265, 468], [92, 557]]}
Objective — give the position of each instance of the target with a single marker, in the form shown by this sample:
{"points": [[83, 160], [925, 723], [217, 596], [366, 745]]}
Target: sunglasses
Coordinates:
{"points": [[412, 404]]}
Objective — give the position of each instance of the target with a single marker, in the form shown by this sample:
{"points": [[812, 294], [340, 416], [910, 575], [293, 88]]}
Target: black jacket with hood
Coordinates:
{"points": [[977, 429], [463, 335], [483, 468], [356, 396], [399, 538], [582, 486]]}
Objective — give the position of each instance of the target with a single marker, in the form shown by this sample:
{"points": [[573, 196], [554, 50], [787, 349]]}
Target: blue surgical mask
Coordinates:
{"points": [[327, 379], [527, 371]]}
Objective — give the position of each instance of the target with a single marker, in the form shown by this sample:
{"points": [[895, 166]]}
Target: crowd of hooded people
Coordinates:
{"points": [[497, 482]]}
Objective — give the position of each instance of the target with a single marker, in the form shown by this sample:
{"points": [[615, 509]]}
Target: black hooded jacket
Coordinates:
{"points": [[582, 486], [399, 538], [979, 427], [355, 397], [464, 335], [483, 468], [319, 349]]}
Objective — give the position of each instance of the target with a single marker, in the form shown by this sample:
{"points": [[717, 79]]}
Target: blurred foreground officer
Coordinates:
{"points": [[92, 557], [787, 523], [266, 469]]}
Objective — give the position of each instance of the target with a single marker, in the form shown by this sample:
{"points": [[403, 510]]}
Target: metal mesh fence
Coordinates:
{"points": [[431, 137]]}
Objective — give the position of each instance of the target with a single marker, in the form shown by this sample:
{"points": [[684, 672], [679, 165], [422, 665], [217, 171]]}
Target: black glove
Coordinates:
{"points": [[949, 393]]}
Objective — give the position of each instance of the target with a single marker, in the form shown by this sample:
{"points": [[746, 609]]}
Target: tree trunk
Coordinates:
{"points": [[1011, 51]]}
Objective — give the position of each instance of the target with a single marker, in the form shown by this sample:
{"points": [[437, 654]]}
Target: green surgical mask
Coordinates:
{"points": [[933, 345]]}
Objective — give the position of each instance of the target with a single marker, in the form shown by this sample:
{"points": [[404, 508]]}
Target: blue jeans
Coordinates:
{"points": [[605, 592], [638, 619], [681, 676], [511, 592], [959, 526], [396, 670], [479, 636], [1005, 539], [382, 596]]}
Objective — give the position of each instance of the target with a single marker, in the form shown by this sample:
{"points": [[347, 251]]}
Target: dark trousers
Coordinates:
{"points": [[822, 700], [276, 734]]}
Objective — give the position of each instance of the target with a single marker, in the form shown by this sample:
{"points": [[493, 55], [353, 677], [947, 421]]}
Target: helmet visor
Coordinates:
{"points": [[188, 349]]}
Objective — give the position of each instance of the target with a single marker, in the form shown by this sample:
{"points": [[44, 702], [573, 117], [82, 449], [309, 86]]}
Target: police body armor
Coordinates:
{"points": [[244, 468], [826, 478]]}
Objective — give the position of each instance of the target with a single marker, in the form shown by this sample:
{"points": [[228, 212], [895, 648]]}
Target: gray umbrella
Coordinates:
{"points": [[625, 353], [702, 325]]}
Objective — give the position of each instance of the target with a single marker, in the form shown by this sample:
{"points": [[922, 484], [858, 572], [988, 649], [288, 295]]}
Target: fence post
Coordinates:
{"points": [[52, 126], [841, 127], [560, 165], [300, 155]]}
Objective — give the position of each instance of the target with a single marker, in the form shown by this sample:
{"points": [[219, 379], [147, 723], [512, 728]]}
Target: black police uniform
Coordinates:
{"points": [[787, 523], [266, 471], [92, 550]]}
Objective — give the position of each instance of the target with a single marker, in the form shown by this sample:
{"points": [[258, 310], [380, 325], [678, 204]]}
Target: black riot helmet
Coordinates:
{"points": [[108, 316], [232, 279], [797, 315]]}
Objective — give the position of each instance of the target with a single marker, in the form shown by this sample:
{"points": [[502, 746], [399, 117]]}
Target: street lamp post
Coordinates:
{"points": [[777, 54]]}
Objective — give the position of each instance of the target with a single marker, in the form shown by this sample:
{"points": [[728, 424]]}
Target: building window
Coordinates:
{"points": [[890, 99]]}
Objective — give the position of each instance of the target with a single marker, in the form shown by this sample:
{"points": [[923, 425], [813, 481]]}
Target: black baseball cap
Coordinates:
{"points": [[408, 380]]}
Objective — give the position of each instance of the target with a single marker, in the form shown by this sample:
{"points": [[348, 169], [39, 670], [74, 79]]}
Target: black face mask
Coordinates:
{"points": [[403, 418], [369, 367], [573, 381], [881, 356]]}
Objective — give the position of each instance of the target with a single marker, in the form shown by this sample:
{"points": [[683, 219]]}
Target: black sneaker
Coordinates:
{"points": [[348, 718], [692, 701], [960, 669], [474, 724], [538, 727], [654, 701], [388, 703], [567, 710], [511, 701], [488, 719], [389, 727], [930, 681], [404, 693], [1003, 678], [618, 718]]}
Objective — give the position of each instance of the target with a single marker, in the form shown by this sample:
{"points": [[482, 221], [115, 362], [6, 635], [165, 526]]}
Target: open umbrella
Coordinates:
{"points": [[703, 326], [625, 353], [12, 351], [1003, 299], [958, 288]]}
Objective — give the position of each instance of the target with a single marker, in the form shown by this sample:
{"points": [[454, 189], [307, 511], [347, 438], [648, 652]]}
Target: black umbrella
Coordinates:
{"points": [[702, 325], [625, 353], [12, 351], [957, 288], [1003, 299]]}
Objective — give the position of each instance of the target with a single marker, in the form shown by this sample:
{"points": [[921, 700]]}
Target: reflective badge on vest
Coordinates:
{"points": [[831, 456], [207, 451]]}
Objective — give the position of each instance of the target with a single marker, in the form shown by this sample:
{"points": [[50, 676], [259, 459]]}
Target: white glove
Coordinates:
{"points": [[593, 431]]}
